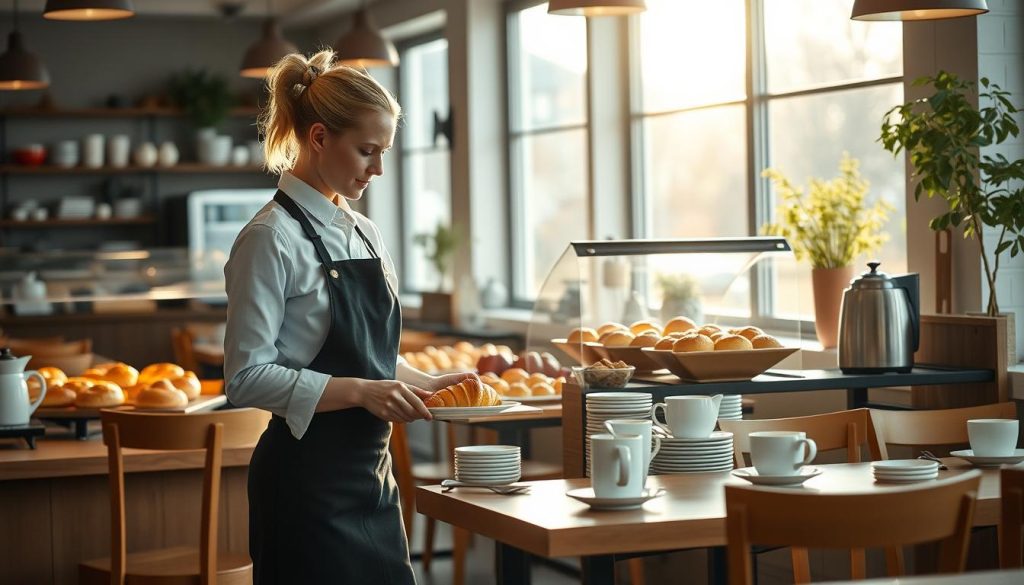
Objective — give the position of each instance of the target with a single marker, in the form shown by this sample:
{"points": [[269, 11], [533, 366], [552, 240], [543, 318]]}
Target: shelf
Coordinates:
{"points": [[183, 168], [242, 112], [51, 223]]}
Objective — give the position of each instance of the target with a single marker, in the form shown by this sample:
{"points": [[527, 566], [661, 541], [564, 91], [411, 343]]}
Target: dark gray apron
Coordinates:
{"points": [[325, 509]]}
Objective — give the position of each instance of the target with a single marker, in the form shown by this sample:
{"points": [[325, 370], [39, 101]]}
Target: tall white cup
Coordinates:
{"points": [[993, 437], [642, 427], [617, 465], [688, 417], [781, 452], [92, 151], [118, 150]]}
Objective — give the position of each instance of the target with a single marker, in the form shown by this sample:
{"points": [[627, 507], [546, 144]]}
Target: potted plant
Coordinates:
{"points": [[680, 295], [830, 226], [439, 247], [206, 99]]}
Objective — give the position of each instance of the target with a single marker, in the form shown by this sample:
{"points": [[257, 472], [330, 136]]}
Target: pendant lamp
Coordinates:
{"points": [[88, 9], [916, 9], [596, 7], [363, 46], [266, 52], [20, 69]]}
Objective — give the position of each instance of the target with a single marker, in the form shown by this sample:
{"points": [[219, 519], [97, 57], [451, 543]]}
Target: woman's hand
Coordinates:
{"points": [[395, 401], [441, 382]]}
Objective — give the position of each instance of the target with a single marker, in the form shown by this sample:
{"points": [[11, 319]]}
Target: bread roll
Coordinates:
{"points": [[469, 392], [132, 392], [708, 329], [611, 326], [161, 394], [750, 332], [54, 377], [679, 325], [513, 375], [122, 375], [559, 383], [160, 371], [78, 384], [581, 335], [465, 347], [733, 342], [715, 336], [518, 390], [617, 339], [102, 394], [645, 325], [500, 386], [693, 342], [666, 342], [537, 378], [58, 396], [764, 342], [645, 341], [542, 389], [189, 384]]}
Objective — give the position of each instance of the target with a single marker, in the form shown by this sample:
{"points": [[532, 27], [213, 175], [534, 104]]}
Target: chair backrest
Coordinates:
{"points": [[211, 431], [846, 429], [181, 343], [942, 511], [1011, 525], [930, 427]]}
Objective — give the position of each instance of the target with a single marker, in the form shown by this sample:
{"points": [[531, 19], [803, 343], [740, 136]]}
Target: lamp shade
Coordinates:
{"points": [[266, 52], [88, 9], [916, 9], [364, 46], [596, 7], [20, 69]]}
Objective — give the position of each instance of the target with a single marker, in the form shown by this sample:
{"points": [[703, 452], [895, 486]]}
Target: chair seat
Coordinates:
{"points": [[168, 566], [532, 471]]}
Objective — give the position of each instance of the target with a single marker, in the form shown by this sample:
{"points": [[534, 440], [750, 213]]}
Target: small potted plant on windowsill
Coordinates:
{"points": [[439, 247]]}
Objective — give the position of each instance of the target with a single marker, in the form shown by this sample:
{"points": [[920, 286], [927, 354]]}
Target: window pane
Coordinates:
{"points": [[549, 70], [424, 91], [811, 42], [807, 138], [552, 203], [426, 203], [696, 177], [692, 53]]}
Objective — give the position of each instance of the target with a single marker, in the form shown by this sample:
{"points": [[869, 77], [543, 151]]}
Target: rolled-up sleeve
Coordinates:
{"points": [[257, 280]]}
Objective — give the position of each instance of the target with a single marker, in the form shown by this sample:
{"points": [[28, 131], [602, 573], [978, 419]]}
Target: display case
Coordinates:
{"points": [[645, 285]]}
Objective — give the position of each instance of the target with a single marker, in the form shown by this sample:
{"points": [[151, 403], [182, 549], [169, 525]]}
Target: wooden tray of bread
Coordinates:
{"points": [[721, 365], [586, 352], [199, 404]]}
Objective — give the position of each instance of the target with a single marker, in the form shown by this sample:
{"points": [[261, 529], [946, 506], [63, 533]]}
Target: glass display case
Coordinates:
{"points": [[645, 285]]}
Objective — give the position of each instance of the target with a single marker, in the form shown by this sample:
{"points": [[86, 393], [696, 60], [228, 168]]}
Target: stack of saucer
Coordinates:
{"points": [[714, 453], [731, 407], [488, 464], [905, 470], [602, 406]]}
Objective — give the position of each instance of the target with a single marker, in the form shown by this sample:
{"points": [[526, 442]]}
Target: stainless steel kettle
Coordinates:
{"points": [[879, 323]]}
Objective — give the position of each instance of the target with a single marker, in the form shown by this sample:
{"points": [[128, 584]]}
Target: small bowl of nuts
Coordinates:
{"points": [[604, 374]]}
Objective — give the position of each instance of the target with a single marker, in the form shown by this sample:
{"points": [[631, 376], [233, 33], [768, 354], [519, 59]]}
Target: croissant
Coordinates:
{"points": [[469, 392]]}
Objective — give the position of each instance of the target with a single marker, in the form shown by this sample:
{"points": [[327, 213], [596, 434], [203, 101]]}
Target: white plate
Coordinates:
{"points": [[750, 474], [478, 450], [685, 448], [906, 479], [457, 412], [586, 495], [487, 477], [674, 471], [673, 458], [716, 437], [900, 473], [487, 464], [490, 482], [968, 455], [619, 396], [904, 465]]}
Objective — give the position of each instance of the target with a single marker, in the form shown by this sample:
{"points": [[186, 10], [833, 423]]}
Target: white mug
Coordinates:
{"points": [[993, 437], [779, 452], [642, 427], [92, 151], [616, 465], [688, 417], [118, 150]]}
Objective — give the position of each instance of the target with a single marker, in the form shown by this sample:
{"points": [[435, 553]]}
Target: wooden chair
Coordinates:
{"points": [[409, 474], [891, 518], [186, 355], [1011, 523], [921, 428], [846, 429], [173, 432]]}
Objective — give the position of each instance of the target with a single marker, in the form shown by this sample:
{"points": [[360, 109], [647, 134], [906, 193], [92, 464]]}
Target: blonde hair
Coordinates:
{"points": [[306, 91]]}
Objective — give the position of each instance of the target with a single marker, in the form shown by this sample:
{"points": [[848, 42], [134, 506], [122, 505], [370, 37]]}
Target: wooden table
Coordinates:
{"points": [[545, 522], [1007, 577]]}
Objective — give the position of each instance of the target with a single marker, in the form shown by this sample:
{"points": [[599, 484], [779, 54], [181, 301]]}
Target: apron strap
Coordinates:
{"points": [[293, 209], [369, 246]]}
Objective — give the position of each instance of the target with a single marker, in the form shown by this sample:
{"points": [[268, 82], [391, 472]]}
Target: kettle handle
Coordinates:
{"points": [[911, 284], [42, 394]]}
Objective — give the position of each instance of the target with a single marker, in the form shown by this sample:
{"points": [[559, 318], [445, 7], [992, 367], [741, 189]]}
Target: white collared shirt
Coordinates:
{"points": [[279, 305]]}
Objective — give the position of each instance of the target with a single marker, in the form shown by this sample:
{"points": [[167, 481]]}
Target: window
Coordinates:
{"points": [[718, 105], [548, 154], [425, 156]]}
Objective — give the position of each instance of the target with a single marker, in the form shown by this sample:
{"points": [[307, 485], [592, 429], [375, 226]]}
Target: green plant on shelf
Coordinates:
{"points": [[439, 248], [204, 97]]}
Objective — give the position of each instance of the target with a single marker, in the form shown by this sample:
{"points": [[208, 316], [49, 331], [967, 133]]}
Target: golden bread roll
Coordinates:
{"points": [[693, 342], [94, 373], [160, 371], [764, 342], [708, 329], [102, 394], [131, 392], [469, 392], [665, 342], [559, 383], [161, 394], [542, 389], [678, 325], [611, 326], [518, 390], [58, 396], [733, 342], [488, 349], [489, 378], [581, 335], [617, 339], [430, 350], [54, 377], [644, 341], [122, 375], [715, 336], [513, 375], [645, 325], [500, 386], [750, 332], [537, 378], [77, 384], [465, 347], [189, 384]]}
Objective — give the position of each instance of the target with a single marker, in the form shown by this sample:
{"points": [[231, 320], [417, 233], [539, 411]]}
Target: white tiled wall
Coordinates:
{"points": [[1001, 60]]}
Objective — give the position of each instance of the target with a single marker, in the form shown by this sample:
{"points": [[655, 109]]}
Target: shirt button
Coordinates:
{"points": [[334, 273]]}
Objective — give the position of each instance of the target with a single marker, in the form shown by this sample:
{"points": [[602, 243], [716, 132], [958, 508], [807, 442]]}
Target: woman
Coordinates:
{"points": [[312, 335]]}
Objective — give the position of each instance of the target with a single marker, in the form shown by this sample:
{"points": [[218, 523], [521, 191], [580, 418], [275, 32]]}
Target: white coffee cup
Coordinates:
{"points": [[642, 427], [616, 464], [688, 417], [92, 151], [993, 437], [780, 452], [118, 150]]}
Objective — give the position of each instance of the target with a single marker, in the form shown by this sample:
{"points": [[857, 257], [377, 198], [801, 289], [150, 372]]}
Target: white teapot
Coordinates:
{"points": [[15, 406]]}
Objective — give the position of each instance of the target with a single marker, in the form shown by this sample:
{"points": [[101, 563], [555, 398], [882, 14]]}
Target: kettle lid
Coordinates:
{"points": [[9, 364], [5, 354], [872, 278]]}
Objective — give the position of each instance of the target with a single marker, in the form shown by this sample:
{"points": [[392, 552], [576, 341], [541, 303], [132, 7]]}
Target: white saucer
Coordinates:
{"points": [[490, 481], [457, 412], [906, 479], [968, 455], [586, 495], [750, 474], [904, 466]]}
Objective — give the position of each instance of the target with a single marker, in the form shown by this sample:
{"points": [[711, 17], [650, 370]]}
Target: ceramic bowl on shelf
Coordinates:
{"points": [[31, 155]]}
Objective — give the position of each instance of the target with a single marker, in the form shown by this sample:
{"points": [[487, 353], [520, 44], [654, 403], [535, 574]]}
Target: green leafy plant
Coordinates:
{"points": [[680, 287], [439, 248], [832, 224], [204, 97], [942, 135]]}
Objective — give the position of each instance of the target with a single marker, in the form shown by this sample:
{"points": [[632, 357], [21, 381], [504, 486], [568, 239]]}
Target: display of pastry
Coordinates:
{"points": [[469, 392], [117, 372], [647, 339], [616, 339], [189, 384], [58, 396], [732, 343], [693, 342], [101, 394], [519, 390], [678, 324], [160, 371], [611, 326], [639, 327], [765, 342], [160, 394], [581, 335]]}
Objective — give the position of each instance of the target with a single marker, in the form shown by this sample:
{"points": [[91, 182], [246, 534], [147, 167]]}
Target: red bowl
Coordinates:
{"points": [[29, 156]]}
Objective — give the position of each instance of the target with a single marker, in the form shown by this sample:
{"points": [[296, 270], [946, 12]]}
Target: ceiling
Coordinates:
{"points": [[290, 12]]}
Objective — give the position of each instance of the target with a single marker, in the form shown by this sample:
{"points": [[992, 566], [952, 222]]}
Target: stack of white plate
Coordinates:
{"points": [[731, 407], [714, 453], [602, 406], [488, 464], [905, 470]]}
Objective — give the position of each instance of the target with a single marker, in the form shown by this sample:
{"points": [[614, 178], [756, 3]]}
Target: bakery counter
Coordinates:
{"points": [[54, 501]]}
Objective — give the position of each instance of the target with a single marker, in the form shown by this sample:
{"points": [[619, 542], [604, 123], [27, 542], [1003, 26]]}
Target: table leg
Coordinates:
{"points": [[512, 565], [856, 398], [81, 429], [718, 565], [598, 570]]}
